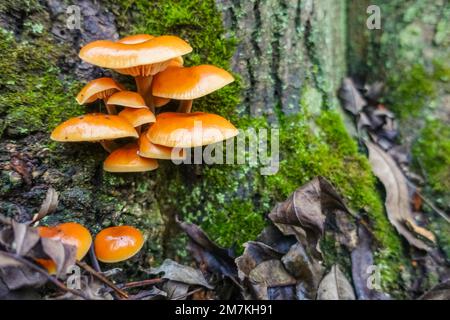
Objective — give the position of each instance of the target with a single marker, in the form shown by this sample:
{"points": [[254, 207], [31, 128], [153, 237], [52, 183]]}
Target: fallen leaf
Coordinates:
{"points": [[374, 91], [175, 290], [6, 261], [397, 197], [307, 209], [48, 206], [207, 253], [351, 98], [63, 255], [362, 260], [335, 286], [174, 271], [282, 293], [304, 268], [25, 238]]}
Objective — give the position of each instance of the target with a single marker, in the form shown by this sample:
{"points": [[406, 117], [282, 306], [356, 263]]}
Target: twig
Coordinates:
{"points": [[40, 270], [429, 202], [141, 283], [103, 279]]}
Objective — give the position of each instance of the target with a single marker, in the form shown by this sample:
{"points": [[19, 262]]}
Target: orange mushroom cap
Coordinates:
{"points": [[93, 127], [135, 58], [100, 88], [189, 83], [128, 99], [186, 130], [117, 244], [70, 233], [137, 38], [137, 117], [160, 102], [127, 159], [150, 150]]}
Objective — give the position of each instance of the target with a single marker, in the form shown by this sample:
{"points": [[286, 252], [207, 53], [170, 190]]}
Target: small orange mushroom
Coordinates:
{"points": [[186, 130], [127, 99], [117, 244], [139, 59], [94, 127], [150, 150], [127, 159], [137, 117], [188, 83], [69, 233], [101, 88]]}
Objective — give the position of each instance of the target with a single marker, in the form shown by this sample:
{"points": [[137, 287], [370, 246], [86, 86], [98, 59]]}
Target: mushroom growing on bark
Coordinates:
{"points": [[101, 88], [139, 59], [117, 244], [135, 111], [188, 83], [94, 127], [127, 159], [186, 130], [156, 63], [150, 150], [70, 233]]}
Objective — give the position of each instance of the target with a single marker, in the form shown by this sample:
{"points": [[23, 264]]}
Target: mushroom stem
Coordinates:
{"points": [[144, 88], [108, 145], [185, 106], [111, 109]]}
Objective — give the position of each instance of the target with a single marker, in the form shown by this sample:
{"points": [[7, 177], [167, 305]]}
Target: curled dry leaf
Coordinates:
{"points": [[397, 197], [307, 209], [214, 258], [351, 98], [48, 206], [25, 238], [335, 286]]}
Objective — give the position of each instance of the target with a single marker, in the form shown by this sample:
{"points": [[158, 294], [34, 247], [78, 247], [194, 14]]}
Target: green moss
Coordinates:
{"points": [[199, 23], [34, 96], [432, 154], [411, 91]]}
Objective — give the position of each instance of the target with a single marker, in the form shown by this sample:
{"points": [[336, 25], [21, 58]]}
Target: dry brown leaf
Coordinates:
{"points": [[397, 197], [352, 99], [335, 286], [48, 206]]}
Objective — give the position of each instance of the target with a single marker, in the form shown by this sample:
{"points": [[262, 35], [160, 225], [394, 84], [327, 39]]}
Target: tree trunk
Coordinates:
{"points": [[289, 57]]}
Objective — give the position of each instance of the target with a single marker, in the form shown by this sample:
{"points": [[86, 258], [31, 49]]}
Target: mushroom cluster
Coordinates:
{"points": [[111, 245], [156, 64]]}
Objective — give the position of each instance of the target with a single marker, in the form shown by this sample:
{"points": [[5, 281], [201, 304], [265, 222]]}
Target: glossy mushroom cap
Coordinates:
{"points": [[100, 88], [189, 83], [137, 117], [93, 127], [117, 244], [128, 99], [70, 233], [137, 38], [137, 58], [186, 130], [151, 150], [127, 159]]}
